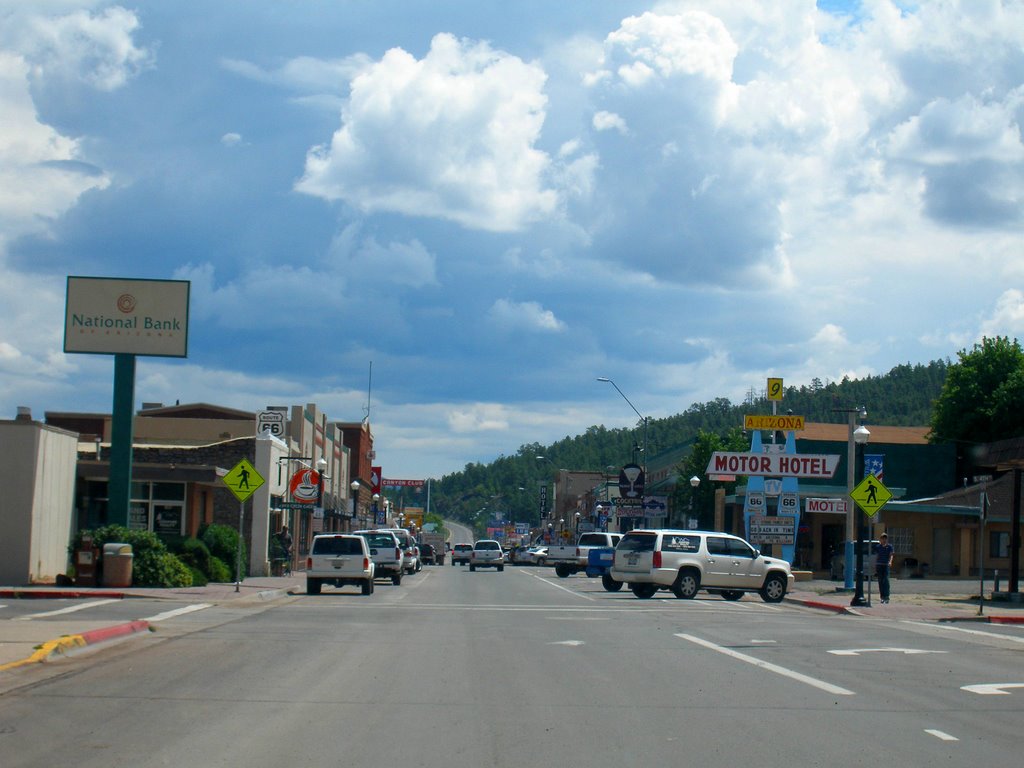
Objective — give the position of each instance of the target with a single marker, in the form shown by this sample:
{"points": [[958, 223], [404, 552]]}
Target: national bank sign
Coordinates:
{"points": [[121, 316]]}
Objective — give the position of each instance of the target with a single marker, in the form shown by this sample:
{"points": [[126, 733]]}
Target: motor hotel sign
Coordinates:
{"points": [[772, 464], [126, 316]]}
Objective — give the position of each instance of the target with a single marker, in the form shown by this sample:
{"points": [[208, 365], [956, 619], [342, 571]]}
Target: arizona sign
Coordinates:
{"points": [[772, 464]]}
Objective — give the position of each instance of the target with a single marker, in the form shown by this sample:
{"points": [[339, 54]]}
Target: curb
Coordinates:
{"points": [[65, 594], [66, 645], [841, 609]]}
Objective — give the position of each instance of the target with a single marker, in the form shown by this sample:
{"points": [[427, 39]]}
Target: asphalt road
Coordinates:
{"points": [[518, 668]]}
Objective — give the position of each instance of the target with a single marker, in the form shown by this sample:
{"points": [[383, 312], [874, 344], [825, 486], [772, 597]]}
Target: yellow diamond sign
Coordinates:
{"points": [[870, 495], [243, 480]]}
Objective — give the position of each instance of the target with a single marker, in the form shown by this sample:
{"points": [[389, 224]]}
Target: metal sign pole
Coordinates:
{"points": [[238, 553]]}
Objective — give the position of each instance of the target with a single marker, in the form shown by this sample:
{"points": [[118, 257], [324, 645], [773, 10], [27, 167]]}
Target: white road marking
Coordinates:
{"points": [[940, 734], [905, 651], [69, 609], [564, 589], [979, 632], [573, 643], [763, 642], [577, 618], [178, 612], [799, 677], [991, 689]]}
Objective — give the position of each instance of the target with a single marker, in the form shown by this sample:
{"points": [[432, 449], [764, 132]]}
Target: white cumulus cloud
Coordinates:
{"points": [[527, 315], [451, 135]]}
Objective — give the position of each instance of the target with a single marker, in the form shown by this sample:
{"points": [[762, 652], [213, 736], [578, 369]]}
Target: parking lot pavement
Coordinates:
{"points": [[31, 642], [920, 599]]}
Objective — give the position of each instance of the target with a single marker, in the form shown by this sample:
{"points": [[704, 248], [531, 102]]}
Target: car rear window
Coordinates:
{"points": [[637, 542], [487, 545], [592, 539], [463, 547], [379, 540], [337, 545]]}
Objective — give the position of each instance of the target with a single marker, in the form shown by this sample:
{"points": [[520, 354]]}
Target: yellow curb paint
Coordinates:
{"points": [[43, 652]]}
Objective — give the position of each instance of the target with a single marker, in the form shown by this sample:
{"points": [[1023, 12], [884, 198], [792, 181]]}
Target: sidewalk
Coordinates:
{"points": [[942, 600], [31, 642]]}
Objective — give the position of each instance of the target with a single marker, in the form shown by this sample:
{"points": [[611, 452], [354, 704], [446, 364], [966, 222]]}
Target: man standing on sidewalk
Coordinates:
{"points": [[883, 563]]}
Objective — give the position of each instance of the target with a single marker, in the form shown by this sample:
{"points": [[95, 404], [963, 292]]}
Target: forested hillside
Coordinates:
{"points": [[902, 397]]}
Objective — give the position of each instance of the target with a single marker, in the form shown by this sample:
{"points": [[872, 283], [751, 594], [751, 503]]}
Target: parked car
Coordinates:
{"points": [[685, 562], [386, 553], [339, 559], [529, 555], [410, 548], [461, 553], [487, 553]]}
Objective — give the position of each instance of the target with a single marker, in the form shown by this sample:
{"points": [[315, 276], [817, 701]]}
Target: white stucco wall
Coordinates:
{"points": [[37, 476]]}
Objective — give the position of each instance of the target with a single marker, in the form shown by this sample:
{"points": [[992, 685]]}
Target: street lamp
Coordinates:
{"points": [[374, 508], [860, 438], [577, 524], [694, 483], [355, 500], [852, 414], [643, 418]]}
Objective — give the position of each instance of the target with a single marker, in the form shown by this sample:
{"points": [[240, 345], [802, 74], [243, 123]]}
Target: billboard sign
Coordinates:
{"points": [[772, 464], [126, 316]]}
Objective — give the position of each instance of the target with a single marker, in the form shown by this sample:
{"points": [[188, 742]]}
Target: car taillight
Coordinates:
{"points": [[309, 563], [577, 551], [656, 560], [398, 554], [366, 563]]}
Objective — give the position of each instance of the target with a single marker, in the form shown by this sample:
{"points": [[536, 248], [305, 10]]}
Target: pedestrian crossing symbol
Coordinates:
{"points": [[243, 480], [871, 495]]}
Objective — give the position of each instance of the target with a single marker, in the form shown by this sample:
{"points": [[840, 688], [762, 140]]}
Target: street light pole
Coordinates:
{"points": [[643, 418], [851, 509], [860, 437], [694, 484]]}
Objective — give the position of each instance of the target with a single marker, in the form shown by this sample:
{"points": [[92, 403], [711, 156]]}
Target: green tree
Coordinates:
{"points": [[694, 464], [980, 400]]}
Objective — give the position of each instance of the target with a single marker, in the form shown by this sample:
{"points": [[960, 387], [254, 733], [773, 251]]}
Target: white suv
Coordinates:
{"points": [[339, 559], [487, 553], [687, 561]]}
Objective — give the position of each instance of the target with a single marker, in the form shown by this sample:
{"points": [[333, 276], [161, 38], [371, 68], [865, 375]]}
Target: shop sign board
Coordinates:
{"points": [[773, 464], [126, 316]]}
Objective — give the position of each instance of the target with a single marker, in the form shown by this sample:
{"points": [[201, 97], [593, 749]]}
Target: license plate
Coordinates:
{"points": [[633, 559]]}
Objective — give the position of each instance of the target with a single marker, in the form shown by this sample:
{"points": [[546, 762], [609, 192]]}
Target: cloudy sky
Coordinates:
{"points": [[492, 204]]}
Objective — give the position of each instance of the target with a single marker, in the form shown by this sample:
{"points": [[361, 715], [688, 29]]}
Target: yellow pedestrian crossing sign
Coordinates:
{"points": [[870, 495], [243, 480]]}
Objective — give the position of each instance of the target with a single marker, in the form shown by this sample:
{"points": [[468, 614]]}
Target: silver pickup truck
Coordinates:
{"points": [[572, 558]]}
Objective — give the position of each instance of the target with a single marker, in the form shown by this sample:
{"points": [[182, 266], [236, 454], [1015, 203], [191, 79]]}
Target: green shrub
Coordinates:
{"points": [[219, 571], [161, 570], [152, 564], [222, 541], [195, 554], [199, 579]]}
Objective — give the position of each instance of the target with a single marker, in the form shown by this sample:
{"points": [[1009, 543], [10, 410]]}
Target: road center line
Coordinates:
{"points": [[178, 612], [69, 609], [814, 682]]}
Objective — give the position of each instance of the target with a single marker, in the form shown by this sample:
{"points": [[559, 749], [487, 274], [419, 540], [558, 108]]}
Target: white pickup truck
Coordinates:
{"points": [[572, 558]]}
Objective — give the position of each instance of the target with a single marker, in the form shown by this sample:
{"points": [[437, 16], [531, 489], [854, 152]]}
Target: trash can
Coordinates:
{"points": [[87, 560], [117, 565]]}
